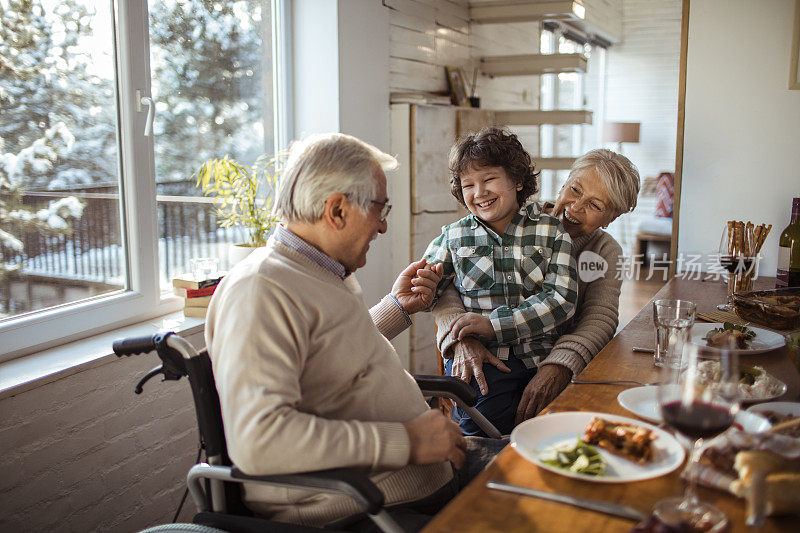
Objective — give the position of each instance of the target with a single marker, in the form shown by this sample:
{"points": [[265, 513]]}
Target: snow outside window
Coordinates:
{"points": [[211, 69], [95, 217]]}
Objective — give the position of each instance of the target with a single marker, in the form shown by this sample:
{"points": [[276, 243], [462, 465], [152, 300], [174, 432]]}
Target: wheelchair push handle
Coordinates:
{"points": [[173, 351], [135, 345]]}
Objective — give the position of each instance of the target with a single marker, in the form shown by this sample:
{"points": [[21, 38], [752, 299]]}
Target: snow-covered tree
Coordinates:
{"points": [[45, 83], [211, 79], [16, 218], [58, 115]]}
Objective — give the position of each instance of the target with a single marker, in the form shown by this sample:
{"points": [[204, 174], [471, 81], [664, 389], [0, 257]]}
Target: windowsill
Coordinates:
{"points": [[47, 366]]}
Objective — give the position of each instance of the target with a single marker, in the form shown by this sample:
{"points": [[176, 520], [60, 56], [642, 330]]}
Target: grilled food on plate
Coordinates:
{"points": [[621, 438]]}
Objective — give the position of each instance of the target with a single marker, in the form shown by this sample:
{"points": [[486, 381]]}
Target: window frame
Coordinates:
{"points": [[142, 300]]}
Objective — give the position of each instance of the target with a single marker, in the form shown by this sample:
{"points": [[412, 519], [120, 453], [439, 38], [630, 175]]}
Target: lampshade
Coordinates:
{"points": [[621, 132]]}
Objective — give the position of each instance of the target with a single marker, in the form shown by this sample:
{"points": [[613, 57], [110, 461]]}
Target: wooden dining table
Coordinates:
{"points": [[478, 508]]}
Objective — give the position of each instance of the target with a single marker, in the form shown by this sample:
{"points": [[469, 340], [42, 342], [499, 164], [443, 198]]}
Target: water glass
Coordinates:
{"points": [[204, 268], [673, 321]]}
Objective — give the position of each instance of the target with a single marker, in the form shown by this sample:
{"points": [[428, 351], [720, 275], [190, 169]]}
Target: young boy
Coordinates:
{"points": [[511, 264]]}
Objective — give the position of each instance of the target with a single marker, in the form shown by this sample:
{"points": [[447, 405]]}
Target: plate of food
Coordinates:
{"points": [[597, 447], [748, 340], [643, 402], [777, 412], [755, 383]]}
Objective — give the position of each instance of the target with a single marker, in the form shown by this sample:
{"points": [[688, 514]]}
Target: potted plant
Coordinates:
{"points": [[241, 198]]}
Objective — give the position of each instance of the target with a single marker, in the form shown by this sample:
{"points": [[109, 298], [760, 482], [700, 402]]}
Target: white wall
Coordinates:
{"points": [[642, 81], [340, 65], [642, 86], [428, 35], [741, 154]]}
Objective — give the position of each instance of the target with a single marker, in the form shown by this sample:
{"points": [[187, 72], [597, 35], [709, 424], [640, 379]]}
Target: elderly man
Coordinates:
{"points": [[306, 380]]}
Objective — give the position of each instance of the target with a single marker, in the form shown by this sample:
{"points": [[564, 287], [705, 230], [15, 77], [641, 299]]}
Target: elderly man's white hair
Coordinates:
{"points": [[324, 164]]}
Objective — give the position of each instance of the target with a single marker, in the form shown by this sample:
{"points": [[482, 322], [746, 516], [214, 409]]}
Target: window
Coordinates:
{"points": [[212, 83], [569, 90], [95, 215]]}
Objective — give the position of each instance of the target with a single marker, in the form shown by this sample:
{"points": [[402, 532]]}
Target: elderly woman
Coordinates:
{"points": [[601, 186]]}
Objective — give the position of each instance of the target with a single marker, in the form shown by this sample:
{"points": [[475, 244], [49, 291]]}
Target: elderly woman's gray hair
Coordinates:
{"points": [[324, 164], [618, 174]]}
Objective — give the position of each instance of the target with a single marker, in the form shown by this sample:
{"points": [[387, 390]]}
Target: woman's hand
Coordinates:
{"points": [[472, 324], [415, 287], [548, 383], [469, 355]]}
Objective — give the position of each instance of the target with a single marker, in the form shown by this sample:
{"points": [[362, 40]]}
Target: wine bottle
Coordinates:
{"points": [[789, 251]]}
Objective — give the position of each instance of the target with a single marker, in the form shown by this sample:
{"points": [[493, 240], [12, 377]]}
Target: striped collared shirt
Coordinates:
{"points": [[290, 240], [525, 281]]}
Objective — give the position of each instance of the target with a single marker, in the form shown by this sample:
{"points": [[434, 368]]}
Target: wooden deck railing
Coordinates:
{"points": [[92, 249]]}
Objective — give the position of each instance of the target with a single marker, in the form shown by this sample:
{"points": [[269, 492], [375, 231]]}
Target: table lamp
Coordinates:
{"points": [[621, 132]]}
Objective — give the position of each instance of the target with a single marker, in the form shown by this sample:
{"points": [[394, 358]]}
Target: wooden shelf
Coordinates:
{"points": [[516, 11], [532, 64], [536, 118]]}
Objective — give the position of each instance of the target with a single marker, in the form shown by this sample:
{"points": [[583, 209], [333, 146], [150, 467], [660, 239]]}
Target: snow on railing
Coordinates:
{"points": [[91, 250]]}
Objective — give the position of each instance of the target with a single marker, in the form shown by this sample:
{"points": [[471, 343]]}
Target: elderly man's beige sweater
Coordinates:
{"points": [[307, 382]]}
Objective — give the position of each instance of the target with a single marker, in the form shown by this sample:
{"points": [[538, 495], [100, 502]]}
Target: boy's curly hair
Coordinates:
{"points": [[493, 147]]}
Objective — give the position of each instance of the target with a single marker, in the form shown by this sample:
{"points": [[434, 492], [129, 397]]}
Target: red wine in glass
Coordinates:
{"points": [[697, 420], [699, 400], [736, 266], [732, 264]]}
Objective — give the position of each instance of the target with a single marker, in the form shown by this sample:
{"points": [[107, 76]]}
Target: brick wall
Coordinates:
{"points": [[85, 453]]}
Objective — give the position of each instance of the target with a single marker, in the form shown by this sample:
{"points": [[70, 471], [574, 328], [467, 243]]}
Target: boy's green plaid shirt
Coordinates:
{"points": [[525, 281]]}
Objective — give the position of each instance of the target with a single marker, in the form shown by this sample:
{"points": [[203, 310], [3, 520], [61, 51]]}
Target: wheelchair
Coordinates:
{"points": [[215, 484]]}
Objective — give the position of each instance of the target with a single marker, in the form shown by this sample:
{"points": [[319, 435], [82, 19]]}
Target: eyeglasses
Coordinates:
{"points": [[385, 208], [581, 199]]}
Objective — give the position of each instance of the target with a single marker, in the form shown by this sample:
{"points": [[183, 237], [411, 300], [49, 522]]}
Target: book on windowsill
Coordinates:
{"points": [[198, 312], [193, 284], [189, 288], [205, 291], [197, 301]]}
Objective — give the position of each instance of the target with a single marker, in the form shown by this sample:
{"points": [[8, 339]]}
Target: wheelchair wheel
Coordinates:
{"points": [[181, 528]]}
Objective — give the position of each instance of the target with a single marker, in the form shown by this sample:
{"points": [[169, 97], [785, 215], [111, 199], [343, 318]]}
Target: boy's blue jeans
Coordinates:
{"points": [[500, 404]]}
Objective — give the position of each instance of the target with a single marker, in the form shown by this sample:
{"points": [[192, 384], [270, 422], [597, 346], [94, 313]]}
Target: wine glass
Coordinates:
{"points": [[699, 401], [737, 257]]}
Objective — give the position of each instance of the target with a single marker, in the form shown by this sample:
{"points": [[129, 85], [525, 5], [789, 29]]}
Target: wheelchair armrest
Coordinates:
{"points": [[348, 481], [447, 386], [464, 395]]}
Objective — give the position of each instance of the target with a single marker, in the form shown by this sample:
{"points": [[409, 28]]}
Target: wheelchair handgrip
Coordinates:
{"points": [[134, 345], [439, 385]]}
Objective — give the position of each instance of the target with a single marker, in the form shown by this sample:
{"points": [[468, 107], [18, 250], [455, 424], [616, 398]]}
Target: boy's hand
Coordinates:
{"points": [[416, 285], [472, 324]]}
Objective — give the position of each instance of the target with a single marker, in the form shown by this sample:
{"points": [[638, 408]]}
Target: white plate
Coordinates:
{"points": [[764, 340], [782, 408], [545, 432], [642, 401]]}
